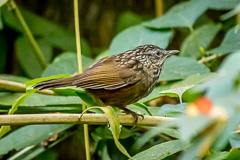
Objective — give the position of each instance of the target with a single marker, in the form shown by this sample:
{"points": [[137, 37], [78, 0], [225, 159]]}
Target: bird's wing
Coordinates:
{"points": [[106, 75]]}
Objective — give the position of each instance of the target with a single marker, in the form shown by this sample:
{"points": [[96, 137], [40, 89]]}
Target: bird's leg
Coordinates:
{"points": [[134, 114]]}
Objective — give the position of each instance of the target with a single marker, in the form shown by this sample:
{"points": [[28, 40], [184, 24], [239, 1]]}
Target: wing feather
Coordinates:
{"points": [[104, 75]]}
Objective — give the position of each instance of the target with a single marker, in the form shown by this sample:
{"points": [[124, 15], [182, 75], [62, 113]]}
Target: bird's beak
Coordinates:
{"points": [[170, 52]]}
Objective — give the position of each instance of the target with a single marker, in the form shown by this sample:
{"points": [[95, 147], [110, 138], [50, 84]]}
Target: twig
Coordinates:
{"points": [[38, 53], [206, 59], [96, 119], [19, 87]]}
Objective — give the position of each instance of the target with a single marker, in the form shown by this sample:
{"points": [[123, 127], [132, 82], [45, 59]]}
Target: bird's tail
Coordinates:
{"points": [[55, 83]]}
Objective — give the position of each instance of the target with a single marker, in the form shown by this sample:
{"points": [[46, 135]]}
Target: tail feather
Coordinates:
{"points": [[54, 83]]}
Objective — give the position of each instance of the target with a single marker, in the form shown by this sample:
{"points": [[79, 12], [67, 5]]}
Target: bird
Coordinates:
{"points": [[121, 79]]}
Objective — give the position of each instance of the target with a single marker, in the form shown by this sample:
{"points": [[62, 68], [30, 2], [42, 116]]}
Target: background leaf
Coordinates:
{"points": [[26, 56], [139, 35], [127, 19], [66, 63], [176, 68], [176, 92], [49, 32], [229, 43], [222, 4], [29, 135], [181, 15], [199, 40], [3, 2], [161, 151], [231, 13]]}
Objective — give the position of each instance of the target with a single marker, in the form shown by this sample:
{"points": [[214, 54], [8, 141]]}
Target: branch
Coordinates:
{"points": [[19, 87], [96, 119]]}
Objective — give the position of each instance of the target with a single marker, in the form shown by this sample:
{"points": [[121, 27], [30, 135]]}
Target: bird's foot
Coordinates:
{"points": [[135, 116]]}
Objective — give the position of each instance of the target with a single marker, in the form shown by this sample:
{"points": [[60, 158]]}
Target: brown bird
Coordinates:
{"points": [[121, 79]]}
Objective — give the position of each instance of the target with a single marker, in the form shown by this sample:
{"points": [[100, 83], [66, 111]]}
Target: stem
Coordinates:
{"points": [[159, 8], [238, 18], [206, 59], [80, 70], [94, 119], [38, 53]]}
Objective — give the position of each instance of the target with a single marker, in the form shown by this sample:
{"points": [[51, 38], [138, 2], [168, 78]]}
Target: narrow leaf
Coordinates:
{"points": [[115, 128], [161, 151]]}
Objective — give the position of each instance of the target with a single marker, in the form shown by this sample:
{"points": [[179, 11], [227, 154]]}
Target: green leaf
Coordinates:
{"points": [[155, 131], [194, 79], [87, 98], [139, 35], [141, 105], [26, 56], [237, 28], [2, 2], [161, 151], [218, 156], [229, 44], [191, 126], [199, 40], [103, 132], [115, 128], [233, 155], [20, 100], [192, 151], [127, 19], [171, 110], [231, 13], [177, 68], [222, 4], [105, 154], [102, 55], [41, 100], [235, 141], [50, 32], [13, 78], [227, 134], [29, 135], [139, 110], [181, 15], [221, 88], [155, 93], [65, 63], [4, 130], [176, 92]]}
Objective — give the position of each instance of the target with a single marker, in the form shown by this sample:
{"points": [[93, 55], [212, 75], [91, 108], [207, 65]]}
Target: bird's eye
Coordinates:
{"points": [[158, 54]]}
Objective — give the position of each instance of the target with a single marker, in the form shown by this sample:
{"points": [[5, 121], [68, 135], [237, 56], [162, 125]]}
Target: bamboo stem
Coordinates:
{"points": [[93, 119], [80, 70], [38, 53], [238, 18], [159, 8]]}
